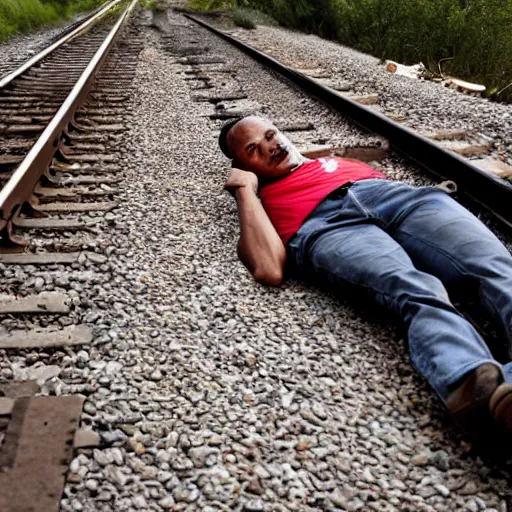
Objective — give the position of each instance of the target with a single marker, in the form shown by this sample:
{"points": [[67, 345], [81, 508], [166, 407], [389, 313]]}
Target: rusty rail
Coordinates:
{"points": [[20, 186], [489, 191], [7, 79]]}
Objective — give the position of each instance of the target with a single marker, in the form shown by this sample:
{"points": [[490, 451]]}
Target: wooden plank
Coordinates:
{"points": [[10, 159], [316, 72], [17, 389], [365, 99], [202, 59], [88, 158], [37, 451], [317, 151], [218, 99], [86, 168], [467, 148], [75, 207], [228, 114], [337, 85], [43, 338], [45, 302], [53, 224], [494, 166], [295, 127], [85, 179], [6, 406], [463, 142], [450, 134], [43, 258], [465, 86], [365, 154]]}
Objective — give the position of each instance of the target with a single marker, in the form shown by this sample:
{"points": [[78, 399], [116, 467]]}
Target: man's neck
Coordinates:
{"points": [[303, 160]]}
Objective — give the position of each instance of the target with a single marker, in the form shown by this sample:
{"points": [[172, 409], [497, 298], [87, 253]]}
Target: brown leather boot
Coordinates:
{"points": [[469, 403]]}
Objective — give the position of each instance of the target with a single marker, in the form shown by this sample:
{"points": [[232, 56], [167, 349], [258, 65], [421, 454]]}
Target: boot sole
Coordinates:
{"points": [[500, 407]]}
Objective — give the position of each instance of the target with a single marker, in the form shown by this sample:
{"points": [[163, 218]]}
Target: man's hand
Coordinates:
{"points": [[240, 179]]}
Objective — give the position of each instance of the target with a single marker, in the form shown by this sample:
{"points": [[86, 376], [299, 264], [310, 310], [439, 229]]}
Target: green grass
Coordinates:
{"points": [[250, 18], [211, 5], [28, 15], [154, 5], [242, 18]]}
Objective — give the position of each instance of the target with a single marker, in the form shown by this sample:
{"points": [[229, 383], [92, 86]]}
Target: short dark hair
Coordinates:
{"points": [[223, 137]]}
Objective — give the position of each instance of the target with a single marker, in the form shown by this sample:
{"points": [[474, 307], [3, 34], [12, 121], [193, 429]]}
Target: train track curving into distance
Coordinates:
{"points": [[46, 110]]}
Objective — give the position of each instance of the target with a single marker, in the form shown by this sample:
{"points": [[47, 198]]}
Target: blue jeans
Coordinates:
{"points": [[405, 246]]}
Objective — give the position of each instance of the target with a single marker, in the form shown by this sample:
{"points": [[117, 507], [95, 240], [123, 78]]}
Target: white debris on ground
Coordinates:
{"points": [[414, 71], [418, 71], [464, 86]]}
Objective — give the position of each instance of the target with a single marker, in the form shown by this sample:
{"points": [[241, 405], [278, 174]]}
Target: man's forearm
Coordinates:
{"points": [[260, 248]]}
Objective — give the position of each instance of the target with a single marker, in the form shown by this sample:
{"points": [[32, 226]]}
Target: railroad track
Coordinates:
{"points": [[458, 159], [54, 135], [14, 63], [61, 117]]}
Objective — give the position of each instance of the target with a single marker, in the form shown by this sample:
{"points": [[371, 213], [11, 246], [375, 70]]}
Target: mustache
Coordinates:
{"points": [[281, 151]]}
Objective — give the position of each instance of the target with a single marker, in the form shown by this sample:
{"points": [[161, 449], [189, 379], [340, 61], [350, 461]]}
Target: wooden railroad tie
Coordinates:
{"points": [[37, 451]]}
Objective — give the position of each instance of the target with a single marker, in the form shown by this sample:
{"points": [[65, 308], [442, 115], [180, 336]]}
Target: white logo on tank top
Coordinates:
{"points": [[329, 164]]}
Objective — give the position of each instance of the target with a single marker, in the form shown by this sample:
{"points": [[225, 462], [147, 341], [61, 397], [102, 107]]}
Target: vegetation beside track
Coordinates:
{"points": [[475, 35], [250, 18], [27, 15]]}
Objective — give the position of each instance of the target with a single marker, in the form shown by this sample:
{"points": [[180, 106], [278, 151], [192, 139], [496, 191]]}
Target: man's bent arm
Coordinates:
{"points": [[260, 248]]}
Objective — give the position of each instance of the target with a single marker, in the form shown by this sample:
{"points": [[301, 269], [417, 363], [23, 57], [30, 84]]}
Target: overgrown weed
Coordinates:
{"points": [[28, 15], [250, 18]]}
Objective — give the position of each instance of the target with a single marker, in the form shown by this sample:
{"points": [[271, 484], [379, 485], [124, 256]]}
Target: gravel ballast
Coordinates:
{"points": [[213, 393]]}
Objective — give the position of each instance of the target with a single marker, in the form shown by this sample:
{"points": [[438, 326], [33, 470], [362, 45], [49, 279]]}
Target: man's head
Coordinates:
{"points": [[255, 144]]}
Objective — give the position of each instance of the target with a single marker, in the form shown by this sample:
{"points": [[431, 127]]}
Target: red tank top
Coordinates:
{"points": [[291, 199]]}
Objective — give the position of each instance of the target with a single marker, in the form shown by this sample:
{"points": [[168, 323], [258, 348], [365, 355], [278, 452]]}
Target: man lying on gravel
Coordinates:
{"points": [[343, 223]]}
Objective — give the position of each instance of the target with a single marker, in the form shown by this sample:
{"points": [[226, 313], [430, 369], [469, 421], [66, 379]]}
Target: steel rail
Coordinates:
{"points": [[486, 189], [20, 186], [7, 79]]}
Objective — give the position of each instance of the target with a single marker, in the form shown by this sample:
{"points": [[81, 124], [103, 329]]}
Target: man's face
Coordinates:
{"points": [[259, 147]]}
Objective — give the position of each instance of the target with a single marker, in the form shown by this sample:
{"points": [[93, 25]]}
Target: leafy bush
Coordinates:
{"points": [[154, 5], [209, 5], [254, 16], [243, 19]]}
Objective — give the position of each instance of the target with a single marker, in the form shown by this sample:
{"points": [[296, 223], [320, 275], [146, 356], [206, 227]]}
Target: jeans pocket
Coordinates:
{"points": [[295, 253]]}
